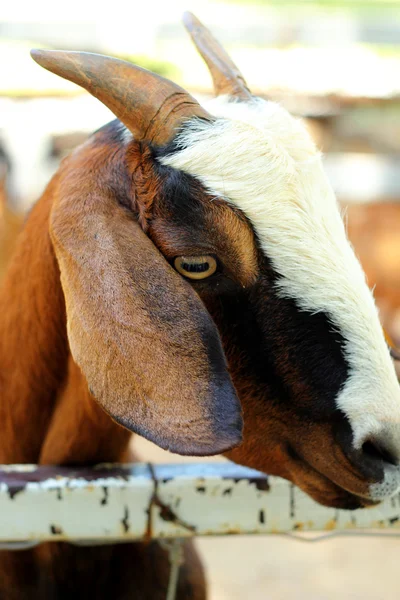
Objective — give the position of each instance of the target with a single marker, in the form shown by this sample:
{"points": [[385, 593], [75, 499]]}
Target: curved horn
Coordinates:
{"points": [[226, 76], [150, 106]]}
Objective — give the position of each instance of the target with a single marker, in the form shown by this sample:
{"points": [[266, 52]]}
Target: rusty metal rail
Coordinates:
{"points": [[120, 503]]}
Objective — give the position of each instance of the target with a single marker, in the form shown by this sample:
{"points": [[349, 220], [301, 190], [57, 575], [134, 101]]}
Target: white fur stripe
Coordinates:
{"points": [[259, 158]]}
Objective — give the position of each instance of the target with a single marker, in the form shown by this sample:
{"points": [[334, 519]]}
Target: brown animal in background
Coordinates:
{"points": [[374, 231], [188, 272]]}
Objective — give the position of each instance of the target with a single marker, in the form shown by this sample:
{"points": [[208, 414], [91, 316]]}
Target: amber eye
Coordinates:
{"points": [[196, 267]]}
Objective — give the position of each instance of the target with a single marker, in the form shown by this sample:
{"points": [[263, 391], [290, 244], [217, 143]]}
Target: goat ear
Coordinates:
{"points": [[143, 339]]}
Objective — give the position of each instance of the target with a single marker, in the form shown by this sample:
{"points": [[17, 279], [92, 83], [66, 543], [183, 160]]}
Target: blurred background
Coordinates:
{"points": [[335, 63]]}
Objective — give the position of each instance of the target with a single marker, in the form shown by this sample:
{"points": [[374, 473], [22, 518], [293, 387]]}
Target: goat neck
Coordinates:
{"points": [[47, 412], [32, 339]]}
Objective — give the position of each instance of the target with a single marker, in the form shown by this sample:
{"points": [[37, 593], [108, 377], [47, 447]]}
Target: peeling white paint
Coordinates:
{"points": [[141, 501]]}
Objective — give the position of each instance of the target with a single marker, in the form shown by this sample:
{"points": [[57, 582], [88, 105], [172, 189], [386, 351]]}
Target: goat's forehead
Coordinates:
{"points": [[260, 129], [252, 149], [261, 160], [271, 127]]}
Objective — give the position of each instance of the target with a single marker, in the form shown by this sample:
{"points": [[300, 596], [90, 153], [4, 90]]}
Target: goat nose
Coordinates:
{"points": [[381, 450], [374, 455], [378, 455]]}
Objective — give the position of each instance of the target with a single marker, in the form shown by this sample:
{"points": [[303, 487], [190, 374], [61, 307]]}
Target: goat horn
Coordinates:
{"points": [[226, 76], [150, 106]]}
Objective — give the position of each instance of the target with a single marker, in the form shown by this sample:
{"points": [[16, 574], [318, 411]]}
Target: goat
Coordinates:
{"points": [[186, 276]]}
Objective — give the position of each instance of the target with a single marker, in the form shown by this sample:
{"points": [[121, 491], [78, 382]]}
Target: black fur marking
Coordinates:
{"points": [[183, 196], [113, 132], [289, 352]]}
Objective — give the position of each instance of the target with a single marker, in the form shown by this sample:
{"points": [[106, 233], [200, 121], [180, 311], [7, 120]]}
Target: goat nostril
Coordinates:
{"points": [[378, 452]]}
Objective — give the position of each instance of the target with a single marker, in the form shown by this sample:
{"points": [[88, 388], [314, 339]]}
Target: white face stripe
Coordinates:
{"points": [[261, 159]]}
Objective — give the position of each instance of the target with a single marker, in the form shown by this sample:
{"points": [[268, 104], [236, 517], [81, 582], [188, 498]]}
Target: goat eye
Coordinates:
{"points": [[195, 267]]}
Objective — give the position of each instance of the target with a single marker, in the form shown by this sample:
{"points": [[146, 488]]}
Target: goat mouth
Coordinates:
{"points": [[329, 494], [324, 490]]}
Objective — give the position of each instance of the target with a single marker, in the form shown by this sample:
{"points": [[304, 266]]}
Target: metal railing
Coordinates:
{"points": [[123, 503]]}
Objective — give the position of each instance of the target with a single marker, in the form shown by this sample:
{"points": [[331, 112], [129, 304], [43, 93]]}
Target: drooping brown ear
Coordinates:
{"points": [[226, 76], [143, 339], [152, 107]]}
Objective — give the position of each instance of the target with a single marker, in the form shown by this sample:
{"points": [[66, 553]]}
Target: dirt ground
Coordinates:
{"points": [[280, 568]]}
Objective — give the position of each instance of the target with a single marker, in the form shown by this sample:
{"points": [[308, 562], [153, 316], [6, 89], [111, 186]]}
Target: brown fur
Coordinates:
{"points": [[118, 320], [10, 226], [60, 571], [49, 416], [33, 320]]}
